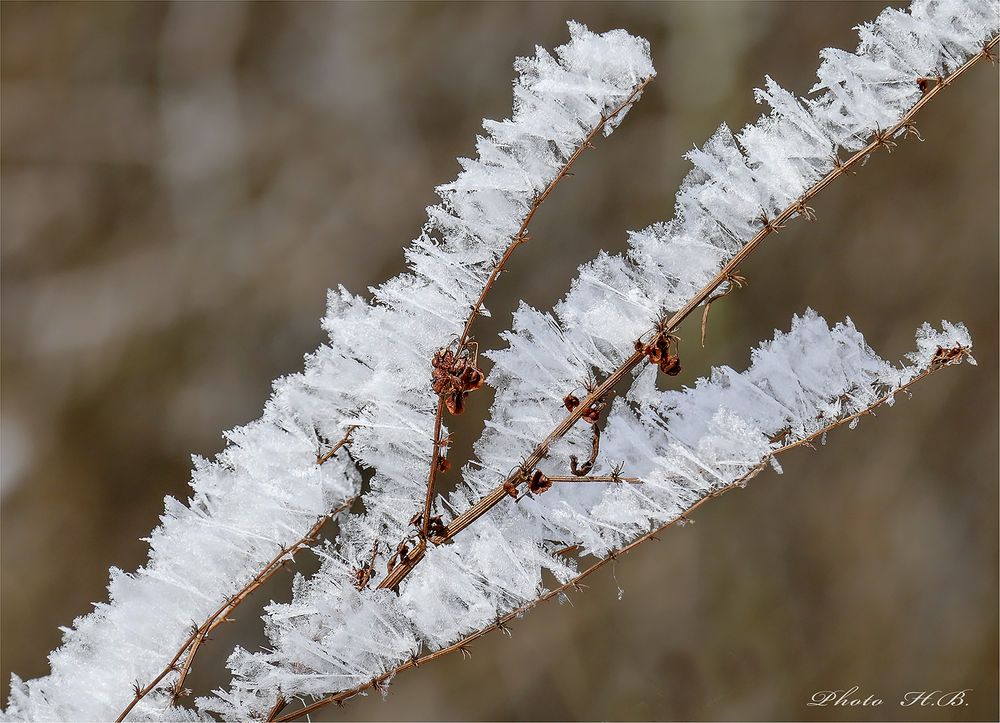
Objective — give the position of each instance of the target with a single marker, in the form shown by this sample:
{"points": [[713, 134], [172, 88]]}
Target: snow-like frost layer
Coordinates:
{"points": [[260, 495]]}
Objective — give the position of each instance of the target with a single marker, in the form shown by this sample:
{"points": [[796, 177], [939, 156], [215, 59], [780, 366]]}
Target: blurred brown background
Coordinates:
{"points": [[181, 183]]}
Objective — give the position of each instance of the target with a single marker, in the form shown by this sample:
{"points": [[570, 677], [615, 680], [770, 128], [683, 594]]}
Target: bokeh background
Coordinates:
{"points": [[181, 182]]}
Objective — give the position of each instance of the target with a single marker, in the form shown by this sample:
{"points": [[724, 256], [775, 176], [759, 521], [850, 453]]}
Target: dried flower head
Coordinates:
{"points": [[538, 482], [453, 377]]}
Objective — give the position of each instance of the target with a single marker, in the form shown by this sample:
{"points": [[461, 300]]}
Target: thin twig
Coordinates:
{"points": [[278, 706], [435, 463], [346, 439], [501, 622], [595, 478], [606, 389]]}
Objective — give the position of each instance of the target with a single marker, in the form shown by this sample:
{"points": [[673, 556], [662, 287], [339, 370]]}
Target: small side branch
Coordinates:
{"points": [[346, 439], [614, 479]]}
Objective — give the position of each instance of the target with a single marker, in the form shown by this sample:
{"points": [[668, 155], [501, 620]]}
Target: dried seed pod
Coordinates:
{"points": [[443, 464], [510, 488], [538, 482], [944, 357], [571, 402], [443, 359], [671, 365], [453, 377], [592, 415], [472, 378], [455, 403]]}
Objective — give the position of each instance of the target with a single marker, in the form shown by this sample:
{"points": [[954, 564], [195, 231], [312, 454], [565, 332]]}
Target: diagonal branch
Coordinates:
{"points": [[221, 615], [522, 234], [501, 622], [519, 238], [606, 389]]}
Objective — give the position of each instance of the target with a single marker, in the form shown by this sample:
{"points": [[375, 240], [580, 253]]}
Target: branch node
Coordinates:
{"points": [[882, 139], [807, 212]]}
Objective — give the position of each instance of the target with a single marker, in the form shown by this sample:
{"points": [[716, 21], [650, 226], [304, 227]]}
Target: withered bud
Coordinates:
{"points": [[538, 482], [443, 464], [571, 402], [455, 403], [592, 415], [944, 357], [671, 365], [510, 488], [443, 359], [472, 379], [361, 577]]}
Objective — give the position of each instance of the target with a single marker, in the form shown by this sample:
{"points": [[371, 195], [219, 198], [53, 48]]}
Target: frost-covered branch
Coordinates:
{"points": [[394, 588], [261, 493], [840, 350], [221, 615]]}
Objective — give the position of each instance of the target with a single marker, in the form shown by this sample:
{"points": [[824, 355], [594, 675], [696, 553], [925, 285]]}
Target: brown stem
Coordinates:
{"points": [[278, 706], [581, 470], [199, 634], [435, 461], [596, 478], [605, 389], [501, 622], [222, 615]]}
